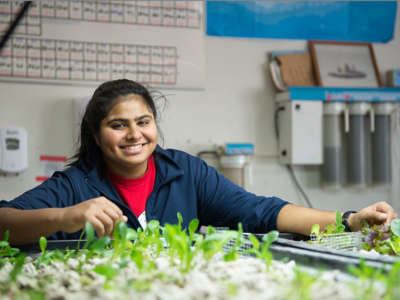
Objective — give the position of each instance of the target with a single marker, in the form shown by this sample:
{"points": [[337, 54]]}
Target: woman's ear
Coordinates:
{"points": [[96, 138]]}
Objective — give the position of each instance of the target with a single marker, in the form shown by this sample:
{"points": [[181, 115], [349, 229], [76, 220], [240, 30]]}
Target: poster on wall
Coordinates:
{"points": [[160, 43]]}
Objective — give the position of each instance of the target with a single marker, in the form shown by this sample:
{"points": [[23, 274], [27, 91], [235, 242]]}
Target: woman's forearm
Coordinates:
{"points": [[298, 219], [27, 226]]}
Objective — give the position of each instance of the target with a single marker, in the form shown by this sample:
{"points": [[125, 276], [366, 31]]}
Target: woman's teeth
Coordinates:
{"points": [[132, 147]]}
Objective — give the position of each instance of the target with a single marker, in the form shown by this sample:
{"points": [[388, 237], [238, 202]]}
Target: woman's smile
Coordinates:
{"points": [[132, 147]]}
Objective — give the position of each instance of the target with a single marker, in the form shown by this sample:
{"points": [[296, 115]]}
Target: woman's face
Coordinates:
{"points": [[127, 137]]}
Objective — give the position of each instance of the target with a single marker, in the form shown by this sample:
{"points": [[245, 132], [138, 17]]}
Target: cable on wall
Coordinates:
{"points": [[14, 24]]}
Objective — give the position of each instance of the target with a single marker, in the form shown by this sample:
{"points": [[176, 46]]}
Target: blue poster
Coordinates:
{"points": [[362, 21]]}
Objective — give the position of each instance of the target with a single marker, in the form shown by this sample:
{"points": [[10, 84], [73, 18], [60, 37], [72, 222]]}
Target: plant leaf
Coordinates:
{"points": [[339, 219], [100, 244], [340, 228], [106, 270], [364, 223], [180, 220], [6, 235], [254, 241], [153, 227], [385, 236], [192, 228], [270, 236], [396, 245], [315, 229], [132, 234], [371, 237], [122, 230], [395, 227], [43, 244], [89, 234]]}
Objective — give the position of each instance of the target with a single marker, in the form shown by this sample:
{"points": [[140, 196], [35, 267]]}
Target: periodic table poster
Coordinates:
{"points": [[88, 42]]}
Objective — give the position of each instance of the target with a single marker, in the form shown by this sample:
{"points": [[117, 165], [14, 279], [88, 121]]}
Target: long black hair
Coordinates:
{"points": [[105, 97]]}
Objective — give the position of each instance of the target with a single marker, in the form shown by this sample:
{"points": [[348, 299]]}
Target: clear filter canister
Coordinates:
{"points": [[332, 166], [357, 161], [380, 141]]}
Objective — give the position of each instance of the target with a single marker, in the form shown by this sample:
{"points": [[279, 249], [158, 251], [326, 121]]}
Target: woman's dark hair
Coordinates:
{"points": [[105, 97]]}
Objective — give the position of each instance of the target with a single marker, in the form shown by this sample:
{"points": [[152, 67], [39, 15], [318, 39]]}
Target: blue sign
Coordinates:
{"points": [[363, 21]]}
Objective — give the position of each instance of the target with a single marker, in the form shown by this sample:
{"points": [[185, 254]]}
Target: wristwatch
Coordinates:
{"points": [[345, 220]]}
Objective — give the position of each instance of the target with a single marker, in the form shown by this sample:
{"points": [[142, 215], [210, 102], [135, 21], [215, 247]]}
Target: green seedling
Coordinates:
{"points": [[43, 244], [395, 227], [368, 276], [46, 256], [255, 249], [267, 240], [100, 245], [233, 252], [302, 285], [339, 226], [391, 280], [5, 248], [214, 242], [315, 229], [18, 263], [179, 244], [180, 221], [89, 234], [194, 224], [106, 270]]}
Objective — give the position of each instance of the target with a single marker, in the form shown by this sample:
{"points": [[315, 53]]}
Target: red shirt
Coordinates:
{"points": [[135, 192]]}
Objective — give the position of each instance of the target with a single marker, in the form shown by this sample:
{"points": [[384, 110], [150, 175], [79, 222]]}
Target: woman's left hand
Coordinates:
{"points": [[377, 213]]}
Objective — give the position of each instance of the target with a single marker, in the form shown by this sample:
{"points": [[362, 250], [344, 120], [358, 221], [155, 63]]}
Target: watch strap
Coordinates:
{"points": [[345, 220]]}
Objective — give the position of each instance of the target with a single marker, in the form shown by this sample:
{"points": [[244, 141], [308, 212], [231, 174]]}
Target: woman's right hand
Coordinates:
{"points": [[101, 212]]}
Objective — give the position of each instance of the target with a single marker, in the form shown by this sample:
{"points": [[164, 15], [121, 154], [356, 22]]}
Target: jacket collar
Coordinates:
{"points": [[166, 165], [167, 169]]}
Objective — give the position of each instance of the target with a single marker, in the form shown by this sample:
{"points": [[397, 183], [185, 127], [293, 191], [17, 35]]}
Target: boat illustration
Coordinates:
{"points": [[347, 72]]}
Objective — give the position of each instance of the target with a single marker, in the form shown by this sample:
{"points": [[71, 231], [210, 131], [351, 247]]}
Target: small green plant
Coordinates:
{"points": [[368, 275], [339, 226], [5, 248], [233, 252], [301, 287]]}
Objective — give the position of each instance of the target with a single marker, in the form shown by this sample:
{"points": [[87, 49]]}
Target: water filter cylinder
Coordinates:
{"points": [[357, 160], [233, 168], [332, 166], [380, 141]]}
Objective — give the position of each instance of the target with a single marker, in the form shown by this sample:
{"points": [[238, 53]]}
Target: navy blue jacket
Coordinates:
{"points": [[183, 183]]}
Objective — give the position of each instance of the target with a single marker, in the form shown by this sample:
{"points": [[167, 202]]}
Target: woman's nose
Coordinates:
{"points": [[133, 134]]}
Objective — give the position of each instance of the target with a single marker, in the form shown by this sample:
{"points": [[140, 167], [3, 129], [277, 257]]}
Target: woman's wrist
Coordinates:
{"points": [[351, 221], [57, 218]]}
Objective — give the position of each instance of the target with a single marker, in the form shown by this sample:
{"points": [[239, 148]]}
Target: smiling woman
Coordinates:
{"points": [[120, 174], [127, 137]]}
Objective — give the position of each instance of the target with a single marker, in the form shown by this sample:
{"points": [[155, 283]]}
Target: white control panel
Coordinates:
{"points": [[300, 132], [13, 150]]}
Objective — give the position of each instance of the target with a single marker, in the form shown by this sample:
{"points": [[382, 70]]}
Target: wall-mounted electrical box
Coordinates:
{"points": [[300, 132], [13, 150]]}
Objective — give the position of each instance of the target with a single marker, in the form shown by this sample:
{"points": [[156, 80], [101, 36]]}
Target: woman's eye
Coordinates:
{"points": [[141, 123], [116, 126]]}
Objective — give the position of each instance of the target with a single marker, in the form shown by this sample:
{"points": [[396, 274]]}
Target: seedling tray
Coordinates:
{"points": [[52, 245], [328, 258], [34, 248], [287, 246]]}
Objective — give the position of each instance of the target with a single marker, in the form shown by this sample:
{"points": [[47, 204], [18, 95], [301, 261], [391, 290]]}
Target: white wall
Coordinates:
{"points": [[237, 105]]}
